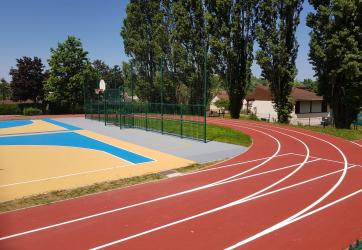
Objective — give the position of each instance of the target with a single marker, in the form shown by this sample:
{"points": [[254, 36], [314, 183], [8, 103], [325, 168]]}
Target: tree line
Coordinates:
{"points": [[62, 85], [178, 32]]}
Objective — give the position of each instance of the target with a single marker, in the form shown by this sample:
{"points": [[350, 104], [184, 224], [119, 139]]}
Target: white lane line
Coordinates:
{"points": [[214, 210], [356, 143], [235, 164], [111, 168], [306, 209], [152, 200], [64, 176], [325, 159], [326, 206], [241, 200]]}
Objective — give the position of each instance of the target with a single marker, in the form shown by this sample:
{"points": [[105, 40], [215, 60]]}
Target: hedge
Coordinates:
{"points": [[32, 111], [10, 109]]}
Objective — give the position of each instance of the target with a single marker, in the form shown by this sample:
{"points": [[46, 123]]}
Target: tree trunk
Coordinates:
{"points": [[234, 106]]}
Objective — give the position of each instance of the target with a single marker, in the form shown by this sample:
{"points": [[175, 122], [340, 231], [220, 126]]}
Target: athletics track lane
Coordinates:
{"points": [[226, 226]]}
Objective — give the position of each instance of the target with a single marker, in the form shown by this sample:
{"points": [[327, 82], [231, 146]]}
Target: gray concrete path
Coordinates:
{"points": [[190, 149]]}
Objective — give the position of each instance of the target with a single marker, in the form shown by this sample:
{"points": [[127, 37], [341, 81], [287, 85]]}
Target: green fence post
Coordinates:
{"points": [[99, 114], [132, 93], [162, 95], [105, 108], [182, 120], [120, 112], [205, 91], [146, 116]]}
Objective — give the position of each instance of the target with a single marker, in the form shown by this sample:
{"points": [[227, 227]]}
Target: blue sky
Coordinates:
{"points": [[31, 28]]}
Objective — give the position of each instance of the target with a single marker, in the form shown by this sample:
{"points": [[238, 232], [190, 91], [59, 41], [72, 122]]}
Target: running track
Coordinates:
{"points": [[293, 189]]}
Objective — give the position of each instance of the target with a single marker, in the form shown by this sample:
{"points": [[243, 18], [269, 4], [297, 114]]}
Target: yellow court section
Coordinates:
{"points": [[35, 127], [29, 170]]}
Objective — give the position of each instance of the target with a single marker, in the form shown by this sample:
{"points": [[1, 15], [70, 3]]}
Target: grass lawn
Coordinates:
{"points": [[349, 134], [193, 129]]}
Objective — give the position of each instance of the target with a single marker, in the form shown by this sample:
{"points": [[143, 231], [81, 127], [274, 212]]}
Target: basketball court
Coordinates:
{"points": [[43, 155]]}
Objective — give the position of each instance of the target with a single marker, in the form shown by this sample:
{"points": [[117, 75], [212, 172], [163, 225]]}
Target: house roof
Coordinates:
{"points": [[262, 93], [223, 95]]}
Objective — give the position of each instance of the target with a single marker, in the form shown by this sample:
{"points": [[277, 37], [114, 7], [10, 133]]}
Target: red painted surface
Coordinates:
{"points": [[21, 117], [332, 228]]}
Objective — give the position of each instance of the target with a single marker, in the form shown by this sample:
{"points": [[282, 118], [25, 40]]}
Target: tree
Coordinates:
{"points": [[310, 84], [27, 79], [232, 24], [5, 90], [336, 56], [112, 76], [189, 40], [171, 31], [102, 68], [143, 34], [222, 104], [69, 67], [277, 24]]}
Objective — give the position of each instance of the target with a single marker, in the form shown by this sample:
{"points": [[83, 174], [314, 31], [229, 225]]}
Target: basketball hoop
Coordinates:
{"points": [[102, 85], [98, 91]]}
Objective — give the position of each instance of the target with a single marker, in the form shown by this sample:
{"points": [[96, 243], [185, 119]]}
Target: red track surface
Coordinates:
{"points": [[293, 189]]}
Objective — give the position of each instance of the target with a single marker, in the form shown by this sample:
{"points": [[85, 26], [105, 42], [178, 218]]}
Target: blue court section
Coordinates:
{"points": [[71, 139], [61, 124], [16, 123]]}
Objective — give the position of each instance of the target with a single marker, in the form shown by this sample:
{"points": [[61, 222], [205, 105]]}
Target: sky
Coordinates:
{"points": [[31, 28]]}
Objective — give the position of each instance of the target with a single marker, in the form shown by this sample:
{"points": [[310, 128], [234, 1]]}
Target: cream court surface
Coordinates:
{"points": [[38, 156]]}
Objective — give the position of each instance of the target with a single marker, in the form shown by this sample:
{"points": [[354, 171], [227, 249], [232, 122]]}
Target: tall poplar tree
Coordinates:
{"points": [[190, 40], [143, 33], [232, 25], [277, 24], [336, 55]]}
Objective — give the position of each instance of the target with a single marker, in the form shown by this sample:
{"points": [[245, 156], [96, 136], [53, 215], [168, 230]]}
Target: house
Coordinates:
{"points": [[309, 107], [222, 95]]}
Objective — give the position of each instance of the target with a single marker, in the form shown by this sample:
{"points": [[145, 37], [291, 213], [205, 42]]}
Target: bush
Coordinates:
{"points": [[9, 109], [253, 117], [32, 111], [23, 106]]}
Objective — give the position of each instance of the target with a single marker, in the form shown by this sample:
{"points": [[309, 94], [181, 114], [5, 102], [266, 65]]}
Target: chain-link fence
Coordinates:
{"points": [[186, 121]]}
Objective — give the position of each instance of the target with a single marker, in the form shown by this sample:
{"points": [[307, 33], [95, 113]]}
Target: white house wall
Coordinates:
{"points": [[265, 110]]}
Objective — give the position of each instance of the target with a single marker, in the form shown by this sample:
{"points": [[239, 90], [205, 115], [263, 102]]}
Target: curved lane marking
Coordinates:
{"points": [[149, 201], [234, 203], [290, 219], [215, 210]]}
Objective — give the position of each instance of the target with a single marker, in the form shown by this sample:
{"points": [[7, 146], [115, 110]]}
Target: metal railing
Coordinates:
{"points": [[183, 120]]}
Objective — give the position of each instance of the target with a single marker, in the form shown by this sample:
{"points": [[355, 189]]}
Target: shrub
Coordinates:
{"points": [[32, 111], [9, 109], [253, 117]]}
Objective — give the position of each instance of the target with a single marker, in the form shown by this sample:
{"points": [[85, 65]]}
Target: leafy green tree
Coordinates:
{"points": [[189, 39], [232, 25], [69, 71], [5, 90], [143, 33], [112, 76], [336, 55], [222, 104], [102, 68], [278, 21], [27, 79], [258, 81], [310, 84]]}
